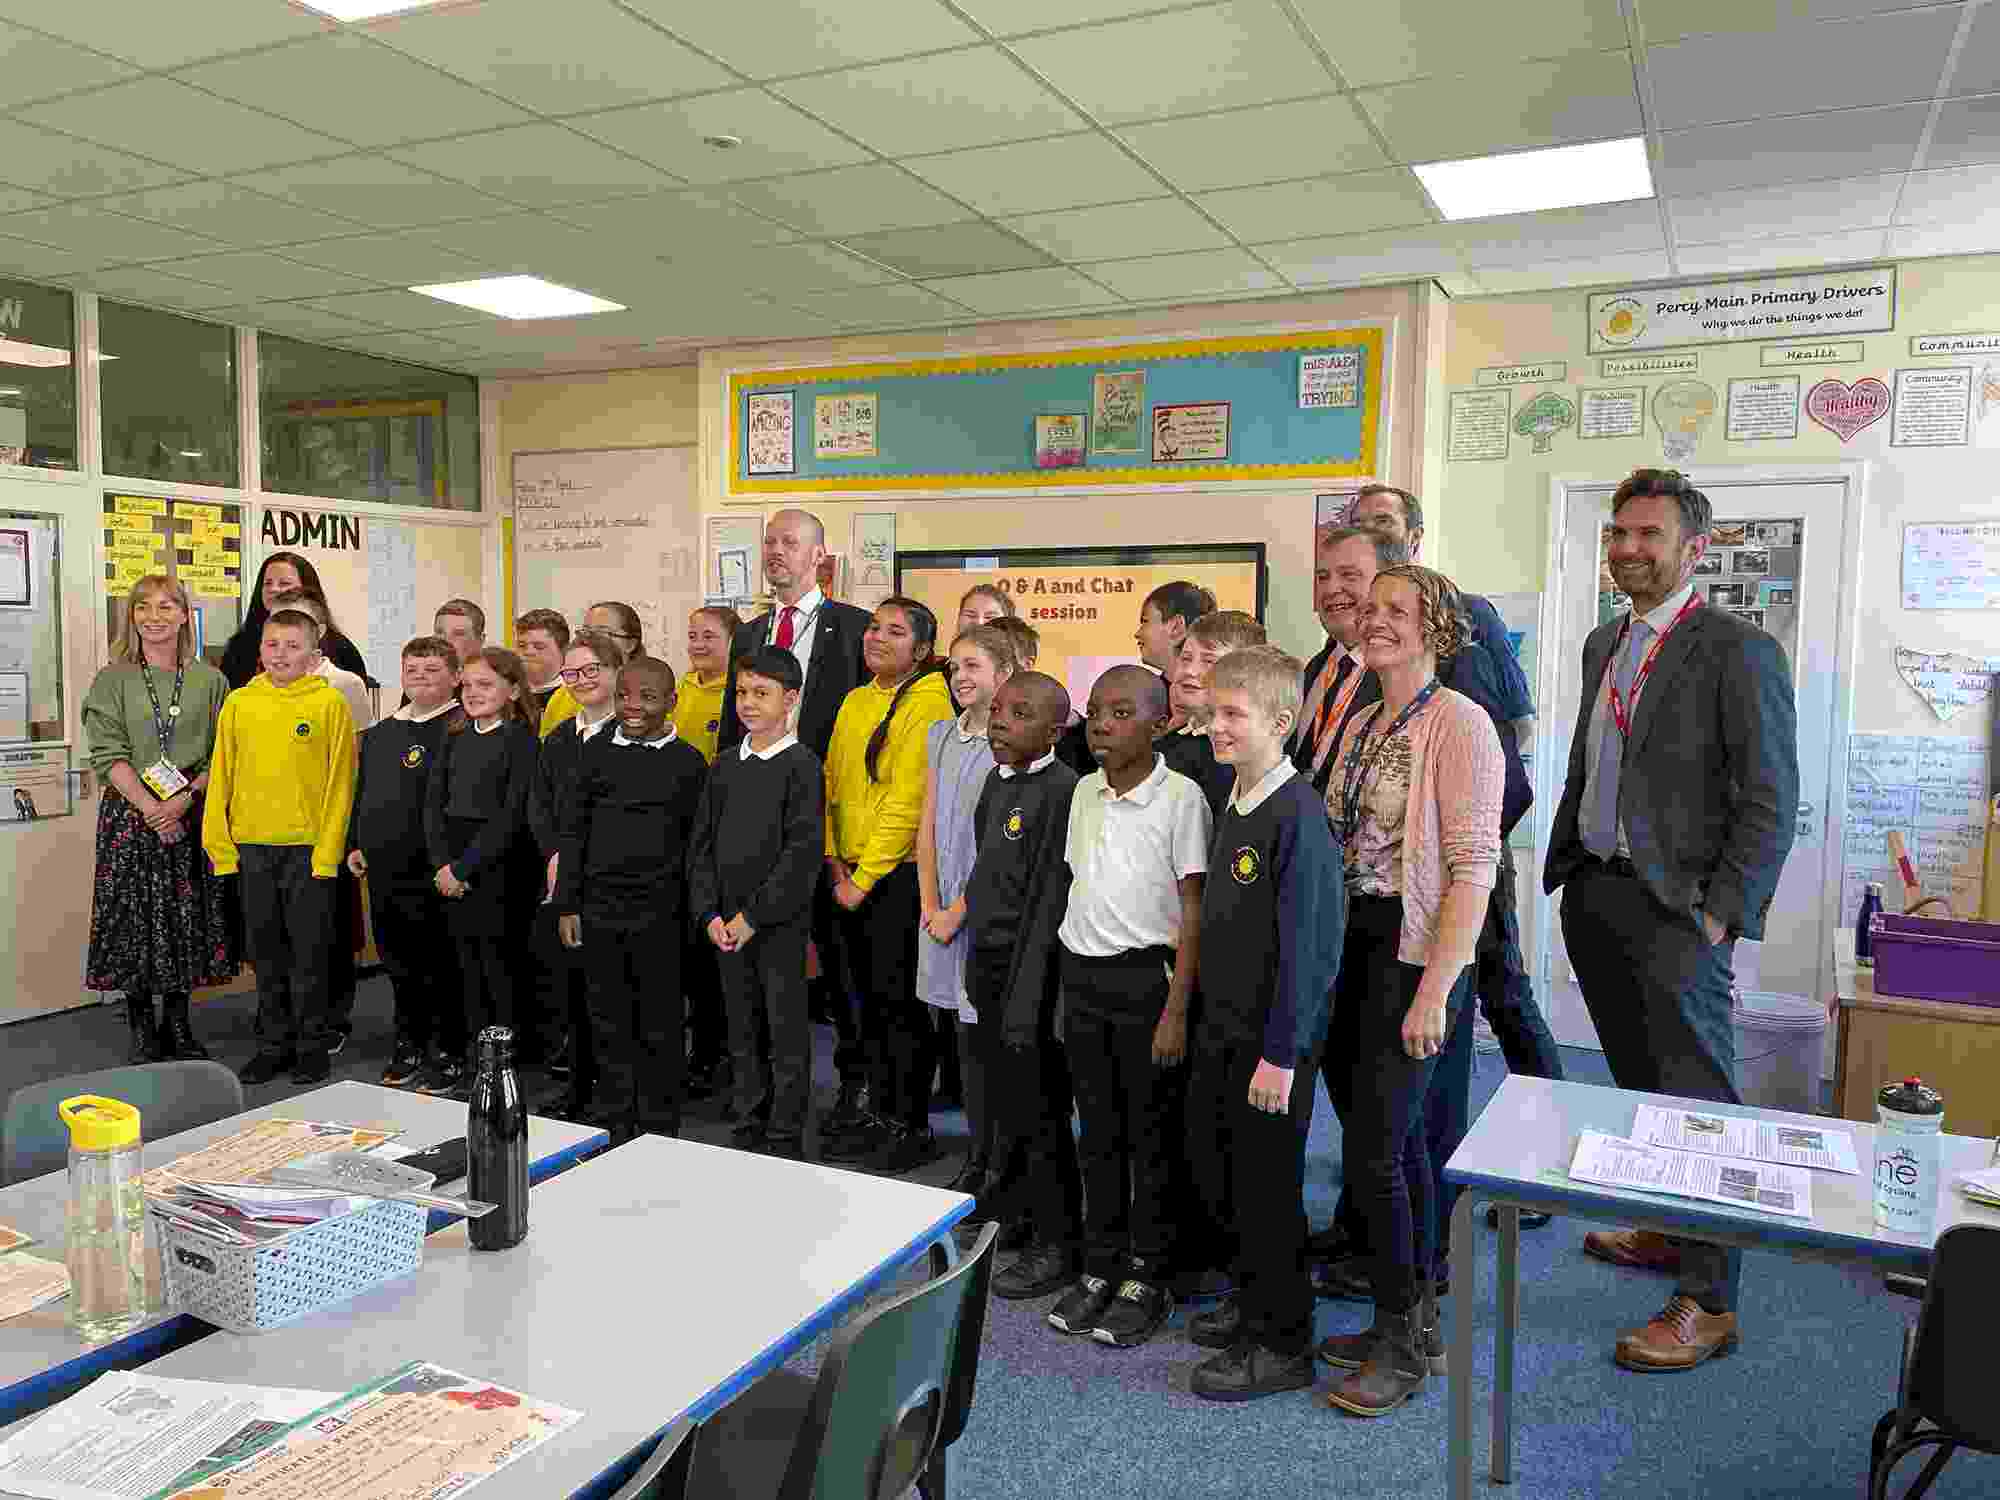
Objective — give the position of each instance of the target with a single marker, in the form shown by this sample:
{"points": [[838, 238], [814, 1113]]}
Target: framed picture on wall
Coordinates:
{"points": [[768, 432], [1117, 411], [1196, 432], [1059, 440], [15, 568]]}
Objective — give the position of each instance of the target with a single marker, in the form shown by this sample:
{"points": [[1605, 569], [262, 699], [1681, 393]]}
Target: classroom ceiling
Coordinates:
{"points": [[933, 163]]}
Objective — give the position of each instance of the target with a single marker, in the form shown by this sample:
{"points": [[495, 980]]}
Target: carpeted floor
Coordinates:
{"points": [[1786, 1418]]}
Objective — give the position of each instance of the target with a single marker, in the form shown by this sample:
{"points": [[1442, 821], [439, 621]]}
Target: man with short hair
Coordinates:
{"points": [[1345, 562], [462, 623], [1679, 809], [541, 636]]}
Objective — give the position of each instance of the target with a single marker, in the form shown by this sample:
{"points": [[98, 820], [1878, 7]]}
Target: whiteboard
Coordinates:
{"points": [[609, 523]]}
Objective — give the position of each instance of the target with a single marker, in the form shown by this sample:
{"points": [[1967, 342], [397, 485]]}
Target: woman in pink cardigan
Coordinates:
{"points": [[1415, 798]]}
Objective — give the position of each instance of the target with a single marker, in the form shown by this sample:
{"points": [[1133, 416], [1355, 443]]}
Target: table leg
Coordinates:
{"points": [[1503, 1343], [1464, 1259]]}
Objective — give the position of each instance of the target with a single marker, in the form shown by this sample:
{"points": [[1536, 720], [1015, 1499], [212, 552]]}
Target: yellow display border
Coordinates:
{"points": [[1369, 337]]}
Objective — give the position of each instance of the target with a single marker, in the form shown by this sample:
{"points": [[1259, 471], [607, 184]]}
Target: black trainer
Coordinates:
{"points": [[784, 1147], [265, 1066], [404, 1065], [1037, 1271], [1079, 1308], [856, 1143], [338, 1040], [1531, 1218], [904, 1150], [1134, 1315], [1245, 1371], [313, 1065], [1219, 1327], [445, 1075]]}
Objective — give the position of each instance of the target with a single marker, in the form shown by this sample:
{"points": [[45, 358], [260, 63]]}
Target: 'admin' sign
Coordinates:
{"points": [[311, 528]]}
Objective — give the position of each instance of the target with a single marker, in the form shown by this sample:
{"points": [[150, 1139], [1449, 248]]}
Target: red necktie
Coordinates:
{"points": [[785, 632]]}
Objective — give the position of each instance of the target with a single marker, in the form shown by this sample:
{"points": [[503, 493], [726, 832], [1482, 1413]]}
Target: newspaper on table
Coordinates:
{"points": [[1739, 1183], [1789, 1144], [244, 1158], [27, 1281], [128, 1435], [418, 1433], [14, 1239]]}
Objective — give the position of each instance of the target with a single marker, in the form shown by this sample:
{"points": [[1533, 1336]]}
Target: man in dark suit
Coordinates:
{"points": [[1679, 809], [825, 636]]}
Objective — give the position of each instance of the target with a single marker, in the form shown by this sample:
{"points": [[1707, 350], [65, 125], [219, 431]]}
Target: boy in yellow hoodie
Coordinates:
{"points": [[280, 788]]}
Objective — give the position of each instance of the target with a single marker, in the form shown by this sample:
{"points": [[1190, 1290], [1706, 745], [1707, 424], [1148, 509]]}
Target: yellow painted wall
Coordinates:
{"points": [[612, 409]]}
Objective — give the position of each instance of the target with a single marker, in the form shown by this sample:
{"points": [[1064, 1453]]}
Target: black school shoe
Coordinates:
{"points": [[904, 1149], [1246, 1371], [1350, 1280], [1039, 1270], [404, 1065], [747, 1134], [444, 1074], [1134, 1315], [1531, 1218], [858, 1141], [1219, 1327], [783, 1147], [265, 1066], [314, 1065], [1079, 1308]]}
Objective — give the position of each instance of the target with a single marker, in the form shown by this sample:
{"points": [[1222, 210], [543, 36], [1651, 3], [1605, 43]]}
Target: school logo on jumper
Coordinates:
{"points": [[1244, 866], [1014, 824], [414, 756], [713, 725], [303, 730]]}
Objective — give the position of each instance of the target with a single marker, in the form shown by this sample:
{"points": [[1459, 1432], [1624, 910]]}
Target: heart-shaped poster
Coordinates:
{"points": [[1844, 409]]}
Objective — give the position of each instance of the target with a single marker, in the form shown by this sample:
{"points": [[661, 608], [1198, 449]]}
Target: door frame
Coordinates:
{"points": [[1552, 741]]}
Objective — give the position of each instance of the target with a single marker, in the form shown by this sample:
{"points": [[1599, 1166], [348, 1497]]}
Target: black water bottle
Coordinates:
{"points": [[496, 1145]]}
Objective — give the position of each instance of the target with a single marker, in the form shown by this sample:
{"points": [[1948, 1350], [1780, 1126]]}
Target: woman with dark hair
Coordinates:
{"points": [[284, 573], [159, 921], [877, 767]]}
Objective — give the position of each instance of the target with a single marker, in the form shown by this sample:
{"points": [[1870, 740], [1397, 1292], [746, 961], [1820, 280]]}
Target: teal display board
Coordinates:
{"points": [[1298, 405]]}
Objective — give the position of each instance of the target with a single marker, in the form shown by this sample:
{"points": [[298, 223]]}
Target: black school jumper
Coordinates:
{"points": [[1273, 904], [564, 1008], [1014, 902], [397, 759], [623, 840], [758, 842], [1194, 757]]}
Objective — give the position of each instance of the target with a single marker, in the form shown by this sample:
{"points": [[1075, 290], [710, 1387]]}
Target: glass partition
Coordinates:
{"points": [[167, 391], [37, 377]]}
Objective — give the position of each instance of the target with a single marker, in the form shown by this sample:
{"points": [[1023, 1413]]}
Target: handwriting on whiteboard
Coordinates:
{"points": [[1932, 790]]}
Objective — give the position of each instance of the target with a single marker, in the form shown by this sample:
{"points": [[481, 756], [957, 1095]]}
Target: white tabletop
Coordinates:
{"points": [[1521, 1145], [657, 1281], [40, 1357]]}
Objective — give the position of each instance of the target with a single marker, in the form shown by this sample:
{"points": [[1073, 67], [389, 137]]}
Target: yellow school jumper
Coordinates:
{"points": [[562, 708], [698, 711], [871, 825], [283, 772]]}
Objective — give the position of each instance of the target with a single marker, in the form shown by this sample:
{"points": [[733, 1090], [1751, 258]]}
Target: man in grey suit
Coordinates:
{"points": [[1679, 810]]}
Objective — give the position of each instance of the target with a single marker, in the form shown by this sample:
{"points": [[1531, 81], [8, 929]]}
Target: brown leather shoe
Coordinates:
{"points": [[1680, 1337], [1635, 1249]]}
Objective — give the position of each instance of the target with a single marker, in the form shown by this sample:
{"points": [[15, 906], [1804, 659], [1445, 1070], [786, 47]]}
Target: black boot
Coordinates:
{"points": [[971, 1178], [145, 1030], [177, 1038]]}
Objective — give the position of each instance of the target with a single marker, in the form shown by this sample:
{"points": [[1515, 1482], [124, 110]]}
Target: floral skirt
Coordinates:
{"points": [[159, 922]]}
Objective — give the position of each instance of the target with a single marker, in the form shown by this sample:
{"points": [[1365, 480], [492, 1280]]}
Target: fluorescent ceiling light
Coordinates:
{"points": [[40, 356], [189, 453], [365, 10], [1525, 181], [519, 297]]}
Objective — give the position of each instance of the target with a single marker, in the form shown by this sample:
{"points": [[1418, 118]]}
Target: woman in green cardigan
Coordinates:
{"points": [[157, 924]]}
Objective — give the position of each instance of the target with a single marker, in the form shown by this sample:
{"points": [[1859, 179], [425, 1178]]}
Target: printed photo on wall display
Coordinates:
{"points": [[1754, 616], [1708, 565], [1059, 440], [1725, 595], [1752, 561], [1196, 432], [1117, 411], [769, 435]]}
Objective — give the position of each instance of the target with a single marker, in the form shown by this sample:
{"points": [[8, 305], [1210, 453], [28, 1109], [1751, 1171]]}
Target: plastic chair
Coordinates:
{"points": [[893, 1394], [664, 1474], [1945, 1394], [170, 1097]]}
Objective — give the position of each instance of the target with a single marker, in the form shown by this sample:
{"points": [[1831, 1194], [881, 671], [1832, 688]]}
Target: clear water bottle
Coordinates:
{"points": [[496, 1144], [104, 1231], [1864, 925], [1908, 1119]]}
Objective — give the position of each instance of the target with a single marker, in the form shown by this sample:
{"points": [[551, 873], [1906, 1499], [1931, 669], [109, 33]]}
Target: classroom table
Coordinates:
{"points": [[41, 1360], [1517, 1156], [657, 1282]]}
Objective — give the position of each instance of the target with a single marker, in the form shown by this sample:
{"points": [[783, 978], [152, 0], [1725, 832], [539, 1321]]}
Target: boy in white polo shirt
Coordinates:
{"points": [[1137, 851]]}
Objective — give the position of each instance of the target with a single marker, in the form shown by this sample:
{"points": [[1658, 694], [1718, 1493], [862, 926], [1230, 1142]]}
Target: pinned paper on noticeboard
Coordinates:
{"points": [[1949, 681]]}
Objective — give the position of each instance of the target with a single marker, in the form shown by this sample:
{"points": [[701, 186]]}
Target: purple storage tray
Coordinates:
{"points": [[1935, 958]]}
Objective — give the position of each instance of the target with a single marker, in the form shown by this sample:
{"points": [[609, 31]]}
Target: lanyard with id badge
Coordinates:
{"points": [[163, 778]]}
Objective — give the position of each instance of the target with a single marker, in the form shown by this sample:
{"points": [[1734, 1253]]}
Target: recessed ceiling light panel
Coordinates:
{"points": [[365, 10], [519, 297], [1523, 182]]}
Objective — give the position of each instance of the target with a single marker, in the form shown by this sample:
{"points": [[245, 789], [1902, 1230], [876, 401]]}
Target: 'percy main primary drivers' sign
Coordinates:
{"points": [[1817, 305]]}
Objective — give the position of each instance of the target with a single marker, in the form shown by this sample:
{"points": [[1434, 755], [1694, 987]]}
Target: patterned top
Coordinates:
{"points": [[959, 763], [1375, 859]]}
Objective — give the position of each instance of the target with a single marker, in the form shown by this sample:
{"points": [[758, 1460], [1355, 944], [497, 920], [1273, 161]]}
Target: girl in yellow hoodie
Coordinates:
{"points": [[876, 769]]}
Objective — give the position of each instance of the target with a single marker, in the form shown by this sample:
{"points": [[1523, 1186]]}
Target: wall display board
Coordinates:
{"points": [[198, 542], [1298, 405], [31, 701], [1084, 603], [1812, 305], [1932, 789], [1951, 566], [610, 523], [1751, 569]]}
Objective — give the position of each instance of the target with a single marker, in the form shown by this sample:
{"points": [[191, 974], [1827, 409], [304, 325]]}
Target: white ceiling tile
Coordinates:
{"points": [[262, 277], [317, 82], [773, 38], [677, 221], [1793, 207], [788, 268], [948, 102], [1778, 252], [1967, 132], [71, 168], [1584, 97], [1562, 234], [162, 36], [404, 310], [1353, 204], [1245, 52], [105, 239], [1801, 148], [13, 199], [1981, 238], [294, 319], [1025, 291], [1456, 283], [537, 166], [418, 348], [20, 257], [777, 139], [1013, 17], [147, 285], [1348, 259], [581, 54], [1373, 44], [394, 259], [1664, 20], [1205, 274], [1158, 226], [1881, 60], [1064, 172], [883, 306], [373, 191], [1271, 143], [1978, 68], [1604, 270], [38, 66], [233, 215], [948, 250], [1964, 194], [850, 200], [171, 122]]}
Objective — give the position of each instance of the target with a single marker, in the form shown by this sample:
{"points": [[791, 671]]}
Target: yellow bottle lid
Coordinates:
{"points": [[99, 1124]]}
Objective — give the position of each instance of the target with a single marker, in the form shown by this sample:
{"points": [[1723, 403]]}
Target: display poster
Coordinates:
{"points": [[34, 784], [1932, 789], [1547, 372], [1844, 409], [1059, 440], [1683, 410], [1194, 432], [1117, 411], [13, 712], [874, 565], [769, 432], [16, 568], [1631, 366], [1949, 681], [1327, 380], [844, 426], [1542, 417], [1811, 305], [1764, 409], [1936, 345], [1933, 408], [734, 548], [1476, 425], [1611, 412], [1951, 565], [1790, 356]]}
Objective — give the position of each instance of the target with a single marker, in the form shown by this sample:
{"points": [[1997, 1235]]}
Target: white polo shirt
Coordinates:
{"points": [[1127, 855]]}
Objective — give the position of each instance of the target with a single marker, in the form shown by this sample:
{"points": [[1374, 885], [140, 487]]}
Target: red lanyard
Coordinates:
{"points": [[1619, 711]]}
